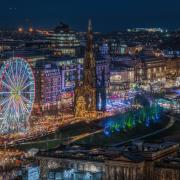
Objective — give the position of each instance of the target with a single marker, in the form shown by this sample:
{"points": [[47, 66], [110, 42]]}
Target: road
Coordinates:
{"points": [[65, 141]]}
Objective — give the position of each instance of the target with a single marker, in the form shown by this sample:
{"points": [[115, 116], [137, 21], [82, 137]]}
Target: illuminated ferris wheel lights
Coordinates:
{"points": [[16, 95]]}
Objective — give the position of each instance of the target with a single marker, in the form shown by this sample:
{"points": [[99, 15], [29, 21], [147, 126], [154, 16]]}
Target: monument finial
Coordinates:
{"points": [[89, 26]]}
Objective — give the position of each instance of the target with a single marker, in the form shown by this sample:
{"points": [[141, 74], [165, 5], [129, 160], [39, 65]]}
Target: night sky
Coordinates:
{"points": [[107, 15]]}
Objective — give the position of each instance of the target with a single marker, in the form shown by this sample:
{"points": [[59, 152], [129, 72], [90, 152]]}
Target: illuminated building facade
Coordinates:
{"points": [[71, 169], [63, 41], [70, 68], [48, 87], [162, 71], [156, 70], [73, 174], [55, 82], [123, 49], [121, 77], [173, 71], [151, 73], [31, 172], [102, 76], [139, 70], [145, 70]]}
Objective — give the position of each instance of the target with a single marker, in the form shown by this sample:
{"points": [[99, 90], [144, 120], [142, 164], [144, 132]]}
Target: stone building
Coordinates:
{"points": [[168, 168], [137, 161]]}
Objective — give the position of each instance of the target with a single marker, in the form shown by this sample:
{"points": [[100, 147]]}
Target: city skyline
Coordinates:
{"points": [[106, 15], [90, 90]]}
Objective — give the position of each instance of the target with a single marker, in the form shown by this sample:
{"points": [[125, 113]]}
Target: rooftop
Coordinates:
{"points": [[135, 152], [170, 162]]}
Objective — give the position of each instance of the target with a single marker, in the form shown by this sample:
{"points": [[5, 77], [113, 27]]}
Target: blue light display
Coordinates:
{"points": [[133, 118]]}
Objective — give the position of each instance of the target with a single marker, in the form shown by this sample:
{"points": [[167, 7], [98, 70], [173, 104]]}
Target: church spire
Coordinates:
{"points": [[85, 95], [89, 26], [89, 61], [89, 46]]}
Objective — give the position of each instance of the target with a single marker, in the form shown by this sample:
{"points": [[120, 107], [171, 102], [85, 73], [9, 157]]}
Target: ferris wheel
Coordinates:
{"points": [[17, 93]]}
